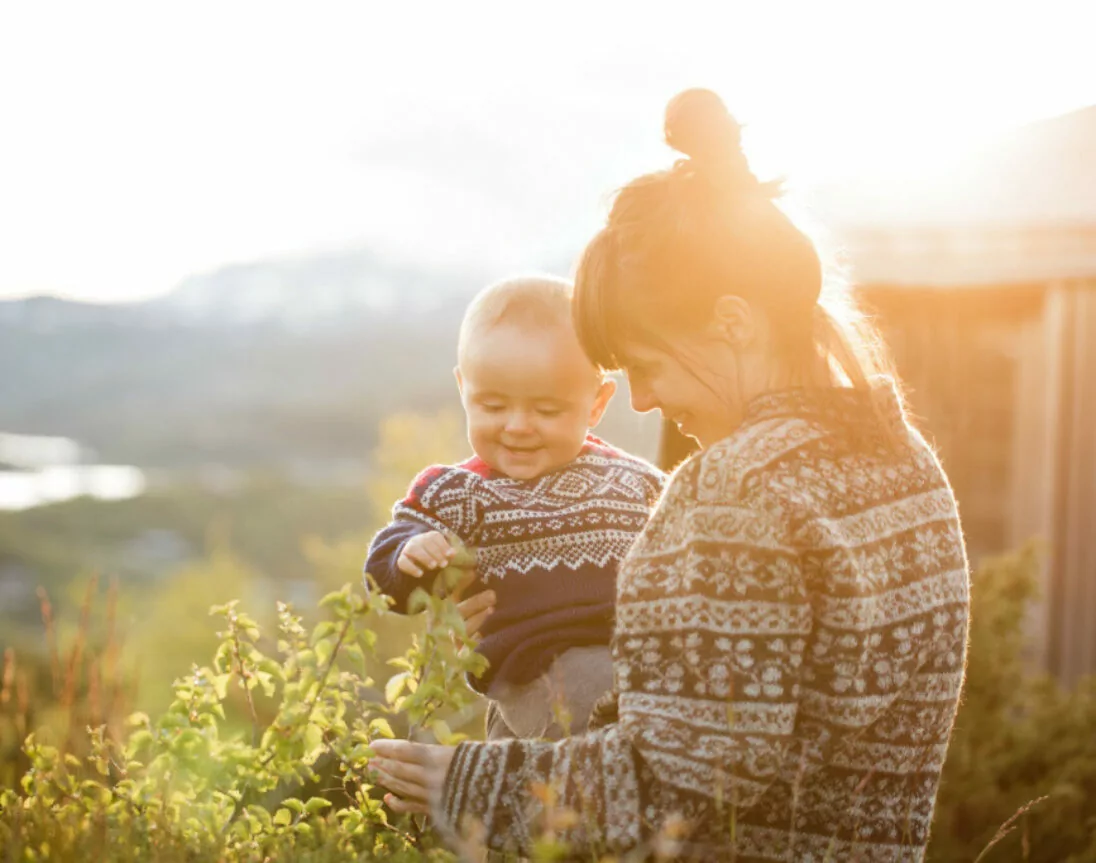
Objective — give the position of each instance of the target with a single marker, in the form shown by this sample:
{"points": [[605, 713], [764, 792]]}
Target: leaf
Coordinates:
{"points": [[283, 818], [444, 734], [395, 686], [313, 738], [266, 682], [316, 804], [323, 630], [380, 726], [94, 792], [220, 684], [260, 815], [419, 600], [354, 652]]}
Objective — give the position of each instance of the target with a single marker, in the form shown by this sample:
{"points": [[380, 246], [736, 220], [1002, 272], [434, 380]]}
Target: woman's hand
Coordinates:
{"points": [[413, 772], [476, 609]]}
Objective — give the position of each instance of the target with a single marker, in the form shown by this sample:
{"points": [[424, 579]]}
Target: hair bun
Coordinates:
{"points": [[699, 125]]}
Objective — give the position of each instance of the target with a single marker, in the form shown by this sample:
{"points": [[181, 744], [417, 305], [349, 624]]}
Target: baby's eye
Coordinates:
{"points": [[491, 409], [549, 412]]}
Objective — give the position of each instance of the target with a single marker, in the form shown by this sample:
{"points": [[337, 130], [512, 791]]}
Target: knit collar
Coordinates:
{"points": [[876, 406], [593, 445]]}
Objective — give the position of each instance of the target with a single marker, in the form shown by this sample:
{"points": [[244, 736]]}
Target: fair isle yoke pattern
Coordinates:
{"points": [[788, 655], [585, 514], [548, 547]]}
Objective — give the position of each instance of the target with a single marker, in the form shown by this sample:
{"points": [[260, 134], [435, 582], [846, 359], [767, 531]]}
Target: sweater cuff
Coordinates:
{"points": [[472, 798], [447, 813]]}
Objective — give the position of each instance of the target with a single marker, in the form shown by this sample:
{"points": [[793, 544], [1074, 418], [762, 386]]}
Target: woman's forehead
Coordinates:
{"points": [[633, 351]]}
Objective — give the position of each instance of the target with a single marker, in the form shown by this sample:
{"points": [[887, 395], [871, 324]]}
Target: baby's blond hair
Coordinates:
{"points": [[527, 301]]}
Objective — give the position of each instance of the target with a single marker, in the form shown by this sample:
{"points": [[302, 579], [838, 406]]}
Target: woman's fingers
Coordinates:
{"points": [[407, 789], [405, 807], [476, 609], [399, 750], [466, 581], [392, 749], [405, 771], [414, 772], [473, 624]]}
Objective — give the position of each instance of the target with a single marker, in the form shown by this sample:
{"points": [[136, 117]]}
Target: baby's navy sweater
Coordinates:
{"points": [[548, 547]]}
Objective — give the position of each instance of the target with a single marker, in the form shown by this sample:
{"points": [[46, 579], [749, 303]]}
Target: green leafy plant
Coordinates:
{"points": [[234, 769], [1019, 782]]}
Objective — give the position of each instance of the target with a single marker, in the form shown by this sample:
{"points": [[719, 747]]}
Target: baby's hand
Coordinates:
{"points": [[425, 551]]}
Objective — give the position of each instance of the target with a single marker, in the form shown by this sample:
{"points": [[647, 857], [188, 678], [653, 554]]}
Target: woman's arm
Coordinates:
{"points": [[584, 791], [712, 621]]}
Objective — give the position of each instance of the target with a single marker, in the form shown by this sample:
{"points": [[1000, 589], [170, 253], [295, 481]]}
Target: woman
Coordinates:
{"points": [[791, 626]]}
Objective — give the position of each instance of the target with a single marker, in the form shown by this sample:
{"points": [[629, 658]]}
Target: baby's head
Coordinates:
{"points": [[529, 392]]}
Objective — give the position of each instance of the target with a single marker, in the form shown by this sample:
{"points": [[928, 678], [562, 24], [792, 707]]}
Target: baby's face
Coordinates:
{"points": [[530, 397]]}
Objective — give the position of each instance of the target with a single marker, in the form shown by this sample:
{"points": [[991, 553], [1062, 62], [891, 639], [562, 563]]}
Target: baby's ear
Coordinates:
{"points": [[601, 401], [460, 380]]}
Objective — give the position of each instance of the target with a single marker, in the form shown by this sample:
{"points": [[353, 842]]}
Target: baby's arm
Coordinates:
{"points": [[411, 550], [383, 562]]}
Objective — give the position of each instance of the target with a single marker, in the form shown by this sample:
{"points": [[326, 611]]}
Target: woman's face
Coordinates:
{"points": [[693, 383]]}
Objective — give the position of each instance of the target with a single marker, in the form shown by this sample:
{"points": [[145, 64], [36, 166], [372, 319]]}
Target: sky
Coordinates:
{"points": [[144, 142]]}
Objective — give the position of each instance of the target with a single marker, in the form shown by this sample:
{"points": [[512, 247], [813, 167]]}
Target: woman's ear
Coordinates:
{"points": [[734, 321], [601, 401]]}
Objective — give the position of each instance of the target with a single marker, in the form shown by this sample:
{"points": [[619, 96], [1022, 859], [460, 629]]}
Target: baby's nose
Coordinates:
{"points": [[519, 421]]}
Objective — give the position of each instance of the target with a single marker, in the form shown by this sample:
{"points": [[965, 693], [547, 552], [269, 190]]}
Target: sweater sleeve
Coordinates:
{"points": [[381, 563], [712, 620], [440, 499]]}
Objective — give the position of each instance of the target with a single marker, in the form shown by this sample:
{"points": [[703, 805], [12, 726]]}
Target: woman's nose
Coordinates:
{"points": [[642, 400]]}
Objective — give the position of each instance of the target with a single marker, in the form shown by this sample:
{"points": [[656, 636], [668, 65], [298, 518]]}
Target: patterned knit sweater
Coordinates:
{"points": [[549, 548], [788, 656]]}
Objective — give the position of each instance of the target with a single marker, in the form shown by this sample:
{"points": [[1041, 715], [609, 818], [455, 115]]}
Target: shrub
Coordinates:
{"points": [[278, 772], [1018, 738]]}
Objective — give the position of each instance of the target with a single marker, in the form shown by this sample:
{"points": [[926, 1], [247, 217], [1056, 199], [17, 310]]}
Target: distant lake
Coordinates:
{"points": [[22, 489]]}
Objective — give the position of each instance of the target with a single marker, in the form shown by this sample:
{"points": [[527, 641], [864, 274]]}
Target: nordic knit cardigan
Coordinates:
{"points": [[549, 547], [788, 655]]}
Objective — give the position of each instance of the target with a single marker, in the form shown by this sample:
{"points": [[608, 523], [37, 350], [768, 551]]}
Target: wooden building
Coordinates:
{"points": [[1001, 374], [985, 291]]}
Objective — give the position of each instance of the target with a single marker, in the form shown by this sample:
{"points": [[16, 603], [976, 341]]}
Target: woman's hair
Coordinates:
{"points": [[677, 240]]}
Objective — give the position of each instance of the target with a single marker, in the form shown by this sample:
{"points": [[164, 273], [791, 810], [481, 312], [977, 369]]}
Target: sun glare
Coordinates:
{"points": [[451, 139]]}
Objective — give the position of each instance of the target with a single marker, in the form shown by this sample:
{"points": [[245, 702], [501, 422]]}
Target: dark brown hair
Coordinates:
{"points": [[677, 240]]}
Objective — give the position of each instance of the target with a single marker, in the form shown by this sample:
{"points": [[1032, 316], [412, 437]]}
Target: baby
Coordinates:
{"points": [[550, 509]]}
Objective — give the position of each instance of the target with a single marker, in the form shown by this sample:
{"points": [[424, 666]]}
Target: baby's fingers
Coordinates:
{"points": [[438, 549], [408, 567], [414, 560]]}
